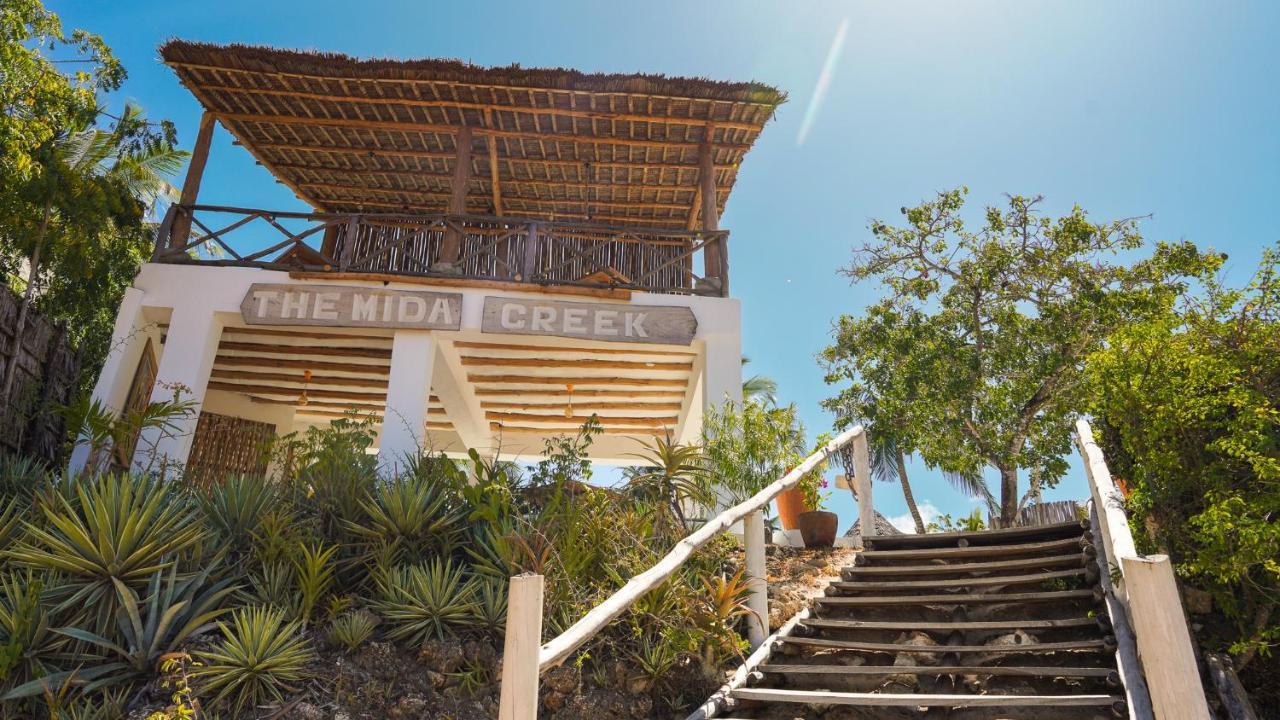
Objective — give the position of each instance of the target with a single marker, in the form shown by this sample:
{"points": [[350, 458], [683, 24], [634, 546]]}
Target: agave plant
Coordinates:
{"points": [[259, 656], [151, 628], [414, 515], [491, 605], [351, 630], [235, 509], [313, 569], [113, 529], [426, 601], [28, 647], [273, 585]]}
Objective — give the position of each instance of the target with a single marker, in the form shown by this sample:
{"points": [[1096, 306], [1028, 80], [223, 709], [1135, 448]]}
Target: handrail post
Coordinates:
{"points": [[862, 480], [518, 699], [757, 579], [1164, 645]]}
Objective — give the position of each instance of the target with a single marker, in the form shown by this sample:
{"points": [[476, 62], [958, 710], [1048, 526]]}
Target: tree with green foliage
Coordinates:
{"points": [[1187, 410], [991, 325], [74, 195], [749, 445]]}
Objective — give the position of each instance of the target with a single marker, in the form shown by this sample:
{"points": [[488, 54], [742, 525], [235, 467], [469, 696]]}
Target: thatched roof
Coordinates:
{"points": [[883, 527], [380, 135]]}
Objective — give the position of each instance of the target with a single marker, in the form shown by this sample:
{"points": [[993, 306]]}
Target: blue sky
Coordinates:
{"points": [[1162, 108]]}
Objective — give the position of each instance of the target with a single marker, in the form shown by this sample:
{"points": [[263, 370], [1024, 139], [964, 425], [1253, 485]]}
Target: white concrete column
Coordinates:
{"points": [[722, 370], [127, 341], [185, 364], [404, 423]]}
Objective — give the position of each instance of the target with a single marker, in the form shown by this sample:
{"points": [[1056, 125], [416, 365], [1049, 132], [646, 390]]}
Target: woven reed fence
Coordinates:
{"points": [[45, 378], [1047, 513]]}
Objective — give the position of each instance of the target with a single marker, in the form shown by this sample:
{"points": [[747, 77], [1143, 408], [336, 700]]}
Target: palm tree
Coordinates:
{"points": [[759, 388], [95, 173]]}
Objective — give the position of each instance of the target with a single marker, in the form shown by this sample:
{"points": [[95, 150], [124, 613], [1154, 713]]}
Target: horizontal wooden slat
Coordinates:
{"points": [[584, 406], [958, 582], [270, 349], [888, 542], [826, 697], [948, 625], [960, 599], [526, 418], [1009, 671], [575, 380], [317, 393], [968, 567], [559, 394], [572, 430], [262, 331], [972, 551], [298, 379], [470, 361], [472, 345], [313, 365], [943, 649]]}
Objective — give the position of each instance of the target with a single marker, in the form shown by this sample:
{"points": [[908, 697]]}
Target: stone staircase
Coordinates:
{"points": [[993, 624]]}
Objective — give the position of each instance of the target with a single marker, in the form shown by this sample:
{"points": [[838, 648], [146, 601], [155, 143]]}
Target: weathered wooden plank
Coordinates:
{"points": [[969, 567], [891, 542], [960, 599], [1011, 671], [576, 380], [826, 697], [657, 324], [1098, 644], [475, 361], [949, 625], [1164, 642], [958, 582], [972, 551]]}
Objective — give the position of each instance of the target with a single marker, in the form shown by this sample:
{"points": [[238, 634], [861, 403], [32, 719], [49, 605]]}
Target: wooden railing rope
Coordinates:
{"points": [[559, 648]]}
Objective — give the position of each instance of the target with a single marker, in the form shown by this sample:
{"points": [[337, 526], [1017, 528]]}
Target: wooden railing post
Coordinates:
{"points": [[529, 261], [1164, 644], [518, 699], [349, 242], [191, 185], [862, 481], [757, 579]]}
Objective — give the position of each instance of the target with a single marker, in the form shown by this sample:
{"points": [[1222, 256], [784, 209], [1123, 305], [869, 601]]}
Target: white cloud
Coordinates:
{"points": [[928, 512]]}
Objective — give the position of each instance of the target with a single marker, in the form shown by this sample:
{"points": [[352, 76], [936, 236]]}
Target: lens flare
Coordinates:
{"points": [[824, 82]]}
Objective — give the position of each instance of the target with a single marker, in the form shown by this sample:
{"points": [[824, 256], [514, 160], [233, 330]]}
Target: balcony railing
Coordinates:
{"points": [[481, 248]]}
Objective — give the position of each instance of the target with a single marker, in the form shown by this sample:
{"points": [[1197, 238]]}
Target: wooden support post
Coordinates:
{"points": [[529, 262], [1164, 643], [710, 212], [181, 229], [1127, 663], [349, 242], [451, 246], [862, 480], [491, 141], [757, 578], [519, 695]]}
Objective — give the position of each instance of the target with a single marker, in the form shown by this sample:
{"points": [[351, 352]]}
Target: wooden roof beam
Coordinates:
{"points": [[363, 124], [485, 107]]}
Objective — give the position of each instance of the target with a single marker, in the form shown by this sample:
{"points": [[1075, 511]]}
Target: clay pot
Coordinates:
{"points": [[790, 505], [818, 528]]}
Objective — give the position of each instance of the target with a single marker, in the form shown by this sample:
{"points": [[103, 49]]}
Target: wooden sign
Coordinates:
{"points": [[344, 306], [590, 321]]}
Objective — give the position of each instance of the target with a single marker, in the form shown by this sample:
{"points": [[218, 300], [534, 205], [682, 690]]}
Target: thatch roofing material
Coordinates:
{"points": [[380, 135]]}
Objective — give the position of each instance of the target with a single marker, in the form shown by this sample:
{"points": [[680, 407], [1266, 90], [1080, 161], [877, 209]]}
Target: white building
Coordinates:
{"points": [[493, 256]]}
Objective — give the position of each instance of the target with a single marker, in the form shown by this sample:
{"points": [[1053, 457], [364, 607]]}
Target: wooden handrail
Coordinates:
{"points": [[559, 648]]}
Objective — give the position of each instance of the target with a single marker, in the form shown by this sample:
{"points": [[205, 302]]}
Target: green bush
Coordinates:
{"points": [[1187, 415]]}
